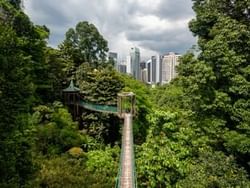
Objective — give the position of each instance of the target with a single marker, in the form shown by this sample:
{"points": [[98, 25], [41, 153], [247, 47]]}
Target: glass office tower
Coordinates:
{"points": [[135, 62]]}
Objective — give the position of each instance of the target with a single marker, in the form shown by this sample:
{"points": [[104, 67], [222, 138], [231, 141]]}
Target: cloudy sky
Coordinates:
{"points": [[155, 26]]}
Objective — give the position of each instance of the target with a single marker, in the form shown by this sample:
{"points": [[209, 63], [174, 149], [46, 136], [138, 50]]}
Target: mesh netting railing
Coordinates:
{"points": [[98, 107]]}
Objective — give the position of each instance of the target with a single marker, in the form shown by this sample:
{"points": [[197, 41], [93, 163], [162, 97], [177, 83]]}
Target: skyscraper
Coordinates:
{"points": [[142, 65], [144, 75], [169, 63], [154, 65], [113, 56], [149, 71], [122, 67], [158, 69], [135, 62], [129, 65]]}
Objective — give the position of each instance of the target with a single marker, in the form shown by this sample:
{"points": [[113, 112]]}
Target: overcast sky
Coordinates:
{"points": [[155, 26]]}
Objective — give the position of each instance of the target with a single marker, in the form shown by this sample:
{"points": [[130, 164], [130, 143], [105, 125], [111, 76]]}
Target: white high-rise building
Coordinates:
{"points": [[169, 63], [128, 65], [159, 69], [144, 75]]}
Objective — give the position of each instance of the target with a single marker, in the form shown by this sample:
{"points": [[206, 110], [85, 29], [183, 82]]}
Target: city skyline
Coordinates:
{"points": [[155, 26], [158, 69]]}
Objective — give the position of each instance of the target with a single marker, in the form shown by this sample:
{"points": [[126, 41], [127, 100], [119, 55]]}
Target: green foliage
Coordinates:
{"points": [[104, 163], [16, 98], [100, 86], [84, 44], [197, 79], [93, 169], [168, 97], [67, 172], [143, 106], [56, 132], [161, 161], [16, 89], [16, 154], [15, 3], [55, 71], [62, 172], [31, 40], [211, 96], [141, 91], [217, 83], [175, 154], [50, 131], [237, 143], [62, 148], [197, 137], [214, 169]]}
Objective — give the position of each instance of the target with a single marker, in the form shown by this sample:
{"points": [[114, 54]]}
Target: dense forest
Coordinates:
{"points": [[193, 132]]}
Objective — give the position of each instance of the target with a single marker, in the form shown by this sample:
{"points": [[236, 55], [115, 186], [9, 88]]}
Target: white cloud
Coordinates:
{"points": [[156, 26], [151, 5], [152, 23]]}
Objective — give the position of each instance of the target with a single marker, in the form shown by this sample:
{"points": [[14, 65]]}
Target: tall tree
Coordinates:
{"points": [[84, 44], [16, 3], [32, 41], [54, 72], [100, 87], [15, 95], [218, 82], [21, 52], [174, 152]]}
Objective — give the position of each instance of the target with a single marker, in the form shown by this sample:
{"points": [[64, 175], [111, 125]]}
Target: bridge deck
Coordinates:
{"points": [[127, 168]]}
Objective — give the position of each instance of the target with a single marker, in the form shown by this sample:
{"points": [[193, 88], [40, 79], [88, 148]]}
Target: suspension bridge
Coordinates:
{"points": [[125, 109]]}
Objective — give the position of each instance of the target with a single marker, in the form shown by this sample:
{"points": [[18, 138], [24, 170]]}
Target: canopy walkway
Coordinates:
{"points": [[126, 177], [98, 107]]}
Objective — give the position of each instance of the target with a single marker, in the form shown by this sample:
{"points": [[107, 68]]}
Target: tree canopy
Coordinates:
{"points": [[83, 44], [218, 82], [193, 132]]}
